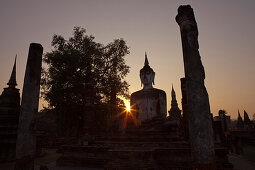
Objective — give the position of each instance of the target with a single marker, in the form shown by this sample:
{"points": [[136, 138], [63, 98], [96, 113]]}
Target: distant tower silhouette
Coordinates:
{"points": [[246, 118], [240, 123], [9, 117], [12, 82], [174, 112], [247, 122], [10, 96]]}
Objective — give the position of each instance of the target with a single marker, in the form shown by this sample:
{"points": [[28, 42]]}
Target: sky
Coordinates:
{"points": [[226, 40]]}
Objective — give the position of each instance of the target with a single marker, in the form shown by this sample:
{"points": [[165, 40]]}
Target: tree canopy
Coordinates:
{"points": [[74, 63]]}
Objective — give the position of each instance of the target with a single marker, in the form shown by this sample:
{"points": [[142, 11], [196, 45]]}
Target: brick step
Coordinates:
{"points": [[128, 138], [129, 158], [142, 143], [82, 160], [142, 139], [150, 132], [127, 164], [144, 157], [82, 149], [140, 136], [174, 165], [148, 165], [147, 153]]}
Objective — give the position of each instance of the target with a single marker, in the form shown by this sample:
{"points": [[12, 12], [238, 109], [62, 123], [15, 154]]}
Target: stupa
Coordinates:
{"points": [[9, 118], [174, 112]]}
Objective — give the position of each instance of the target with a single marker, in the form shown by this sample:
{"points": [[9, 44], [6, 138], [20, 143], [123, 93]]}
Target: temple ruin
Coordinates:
{"points": [[9, 118], [26, 140], [174, 112], [197, 106], [153, 141]]}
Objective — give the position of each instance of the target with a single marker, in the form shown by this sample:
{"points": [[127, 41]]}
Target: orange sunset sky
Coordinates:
{"points": [[226, 37]]}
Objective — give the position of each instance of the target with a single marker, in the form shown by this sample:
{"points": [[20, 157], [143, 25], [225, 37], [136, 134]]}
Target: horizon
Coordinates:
{"points": [[225, 39]]}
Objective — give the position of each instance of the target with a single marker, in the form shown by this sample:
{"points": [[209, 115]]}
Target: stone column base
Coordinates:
{"points": [[197, 166]]}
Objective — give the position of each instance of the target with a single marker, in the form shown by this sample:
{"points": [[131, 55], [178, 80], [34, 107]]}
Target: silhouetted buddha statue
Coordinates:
{"points": [[149, 102]]}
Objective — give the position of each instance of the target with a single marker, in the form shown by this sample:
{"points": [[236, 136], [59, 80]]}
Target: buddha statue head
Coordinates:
{"points": [[147, 75]]}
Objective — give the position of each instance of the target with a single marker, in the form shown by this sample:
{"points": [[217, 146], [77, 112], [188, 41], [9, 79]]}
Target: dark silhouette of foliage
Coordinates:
{"points": [[74, 63]]}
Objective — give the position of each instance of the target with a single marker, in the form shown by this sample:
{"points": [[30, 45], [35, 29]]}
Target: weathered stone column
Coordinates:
{"points": [[184, 108], [198, 107], [26, 143]]}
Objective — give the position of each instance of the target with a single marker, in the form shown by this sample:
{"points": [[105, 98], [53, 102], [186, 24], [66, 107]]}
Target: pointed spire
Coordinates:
{"points": [[174, 101], [12, 82], [173, 92], [239, 120], [174, 111], [239, 116], [146, 62], [246, 117]]}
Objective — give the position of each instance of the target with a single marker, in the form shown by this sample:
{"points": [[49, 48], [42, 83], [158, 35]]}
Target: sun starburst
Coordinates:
{"points": [[128, 115], [128, 107]]}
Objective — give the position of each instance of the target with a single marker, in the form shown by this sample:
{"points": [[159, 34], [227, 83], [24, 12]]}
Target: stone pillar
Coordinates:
{"points": [[26, 143], [198, 107], [184, 108]]}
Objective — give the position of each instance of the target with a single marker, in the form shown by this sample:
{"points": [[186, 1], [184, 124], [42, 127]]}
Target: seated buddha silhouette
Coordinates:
{"points": [[149, 102]]}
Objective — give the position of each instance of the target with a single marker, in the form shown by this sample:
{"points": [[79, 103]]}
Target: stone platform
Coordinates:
{"points": [[142, 151], [138, 148]]}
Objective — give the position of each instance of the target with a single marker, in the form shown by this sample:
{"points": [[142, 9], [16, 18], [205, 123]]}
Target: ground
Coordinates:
{"points": [[245, 161], [49, 159], [240, 163]]}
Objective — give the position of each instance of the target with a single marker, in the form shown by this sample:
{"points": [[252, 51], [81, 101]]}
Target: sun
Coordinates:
{"points": [[128, 107], [127, 114]]}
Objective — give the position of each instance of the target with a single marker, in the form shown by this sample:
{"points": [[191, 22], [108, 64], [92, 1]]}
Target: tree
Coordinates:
{"points": [[77, 62]]}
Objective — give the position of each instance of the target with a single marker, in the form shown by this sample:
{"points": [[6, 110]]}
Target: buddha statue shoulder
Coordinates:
{"points": [[149, 102]]}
